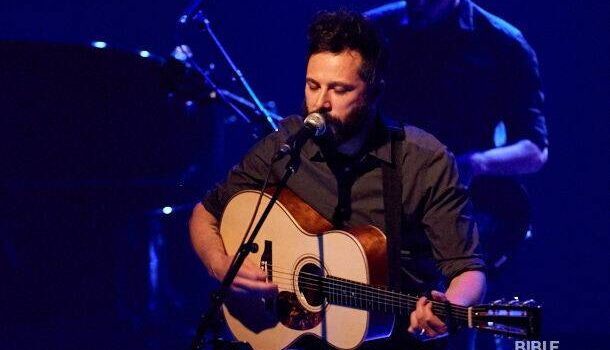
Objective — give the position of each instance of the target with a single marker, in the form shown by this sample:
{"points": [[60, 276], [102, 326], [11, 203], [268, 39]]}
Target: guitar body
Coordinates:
{"points": [[294, 244]]}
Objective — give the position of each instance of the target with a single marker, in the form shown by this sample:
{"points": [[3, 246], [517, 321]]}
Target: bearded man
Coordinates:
{"points": [[341, 176]]}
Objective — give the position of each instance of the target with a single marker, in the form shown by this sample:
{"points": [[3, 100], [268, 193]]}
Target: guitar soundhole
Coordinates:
{"points": [[310, 284]]}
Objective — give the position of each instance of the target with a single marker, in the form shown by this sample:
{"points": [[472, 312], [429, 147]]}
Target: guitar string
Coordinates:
{"points": [[357, 297], [344, 300], [350, 301], [375, 292], [388, 293], [355, 301], [402, 302], [438, 312]]}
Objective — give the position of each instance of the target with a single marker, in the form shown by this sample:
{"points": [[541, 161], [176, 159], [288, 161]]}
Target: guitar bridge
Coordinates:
{"points": [[267, 261], [267, 266]]}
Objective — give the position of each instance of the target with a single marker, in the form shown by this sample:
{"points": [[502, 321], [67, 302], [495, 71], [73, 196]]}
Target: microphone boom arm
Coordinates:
{"points": [[204, 24]]}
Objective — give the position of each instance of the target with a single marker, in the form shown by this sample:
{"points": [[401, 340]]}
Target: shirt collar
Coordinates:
{"points": [[379, 142]]}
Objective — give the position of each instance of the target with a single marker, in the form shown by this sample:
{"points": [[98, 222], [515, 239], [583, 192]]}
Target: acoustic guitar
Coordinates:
{"points": [[331, 282]]}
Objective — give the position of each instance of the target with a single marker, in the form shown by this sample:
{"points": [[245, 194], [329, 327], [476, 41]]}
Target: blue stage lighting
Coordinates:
{"points": [[99, 44], [167, 210]]}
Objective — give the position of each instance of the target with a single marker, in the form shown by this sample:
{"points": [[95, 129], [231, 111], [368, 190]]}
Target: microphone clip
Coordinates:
{"points": [[313, 126]]}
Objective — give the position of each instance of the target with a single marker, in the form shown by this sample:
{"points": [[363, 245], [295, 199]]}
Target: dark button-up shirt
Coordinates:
{"points": [[349, 192], [461, 77]]}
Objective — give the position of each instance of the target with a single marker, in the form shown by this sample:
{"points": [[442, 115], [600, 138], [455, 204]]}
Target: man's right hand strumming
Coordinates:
{"points": [[250, 281]]}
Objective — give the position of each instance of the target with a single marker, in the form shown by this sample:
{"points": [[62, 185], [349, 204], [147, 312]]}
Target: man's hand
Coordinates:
{"points": [[250, 281], [522, 157], [465, 289], [469, 166], [423, 322]]}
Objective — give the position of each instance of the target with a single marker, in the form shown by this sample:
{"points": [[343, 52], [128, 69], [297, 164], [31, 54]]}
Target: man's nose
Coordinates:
{"points": [[323, 101]]}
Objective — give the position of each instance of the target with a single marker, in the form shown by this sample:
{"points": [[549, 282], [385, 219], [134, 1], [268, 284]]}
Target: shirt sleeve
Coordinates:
{"points": [[446, 219], [250, 173], [522, 96]]}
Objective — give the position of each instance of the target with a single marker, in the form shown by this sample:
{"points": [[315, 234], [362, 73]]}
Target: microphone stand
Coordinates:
{"points": [[195, 14], [217, 298]]}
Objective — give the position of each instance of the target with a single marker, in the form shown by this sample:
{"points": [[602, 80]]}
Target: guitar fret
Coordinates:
{"points": [[385, 306]]}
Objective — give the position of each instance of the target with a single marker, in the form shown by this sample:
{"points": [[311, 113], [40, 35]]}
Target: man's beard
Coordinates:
{"points": [[340, 131]]}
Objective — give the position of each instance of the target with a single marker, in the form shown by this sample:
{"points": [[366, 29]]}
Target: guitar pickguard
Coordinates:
{"points": [[292, 314]]}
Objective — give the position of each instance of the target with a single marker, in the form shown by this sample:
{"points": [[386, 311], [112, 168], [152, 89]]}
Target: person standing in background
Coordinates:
{"points": [[459, 72], [472, 80]]}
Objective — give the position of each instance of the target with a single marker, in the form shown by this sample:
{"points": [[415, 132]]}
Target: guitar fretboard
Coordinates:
{"points": [[357, 295]]}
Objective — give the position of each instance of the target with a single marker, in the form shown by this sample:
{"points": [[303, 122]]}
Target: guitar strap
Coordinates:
{"points": [[392, 202]]}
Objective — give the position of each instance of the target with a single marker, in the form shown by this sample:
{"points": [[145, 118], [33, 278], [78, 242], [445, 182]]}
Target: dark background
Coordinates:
{"points": [[76, 262]]}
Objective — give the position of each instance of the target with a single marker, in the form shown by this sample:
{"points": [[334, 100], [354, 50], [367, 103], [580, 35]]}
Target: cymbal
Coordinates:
{"points": [[83, 116]]}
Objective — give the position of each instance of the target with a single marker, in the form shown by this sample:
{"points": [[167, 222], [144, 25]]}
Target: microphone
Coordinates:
{"points": [[314, 125]]}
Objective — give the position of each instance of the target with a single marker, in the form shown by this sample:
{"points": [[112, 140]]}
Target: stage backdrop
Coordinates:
{"points": [[565, 266]]}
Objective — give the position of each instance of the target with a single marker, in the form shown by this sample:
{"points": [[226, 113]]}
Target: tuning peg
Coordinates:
{"points": [[499, 301], [529, 302], [515, 301]]}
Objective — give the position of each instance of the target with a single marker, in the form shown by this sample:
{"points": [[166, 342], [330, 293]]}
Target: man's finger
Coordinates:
{"points": [[438, 296], [434, 325], [420, 316], [264, 289], [238, 290], [419, 308], [251, 271], [259, 273], [413, 324]]}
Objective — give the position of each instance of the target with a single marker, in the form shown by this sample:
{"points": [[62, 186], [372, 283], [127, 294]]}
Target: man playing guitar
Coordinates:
{"points": [[341, 176]]}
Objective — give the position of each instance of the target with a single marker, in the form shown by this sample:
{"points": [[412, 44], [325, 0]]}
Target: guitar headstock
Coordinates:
{"points": [[512, 318]]}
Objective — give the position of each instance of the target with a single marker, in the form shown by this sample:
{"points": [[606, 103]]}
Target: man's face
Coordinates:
{"points": [[333, 86]]}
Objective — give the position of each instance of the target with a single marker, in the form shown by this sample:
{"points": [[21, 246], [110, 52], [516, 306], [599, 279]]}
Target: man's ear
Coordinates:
{"points": [[376, 92]]}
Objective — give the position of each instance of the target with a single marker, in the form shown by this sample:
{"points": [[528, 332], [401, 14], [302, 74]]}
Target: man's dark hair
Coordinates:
{"points": [[347, 30]]}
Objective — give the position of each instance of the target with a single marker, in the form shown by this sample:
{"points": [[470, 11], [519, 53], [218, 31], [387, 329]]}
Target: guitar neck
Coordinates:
{"points": [[356, 295], [515, 318]]}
